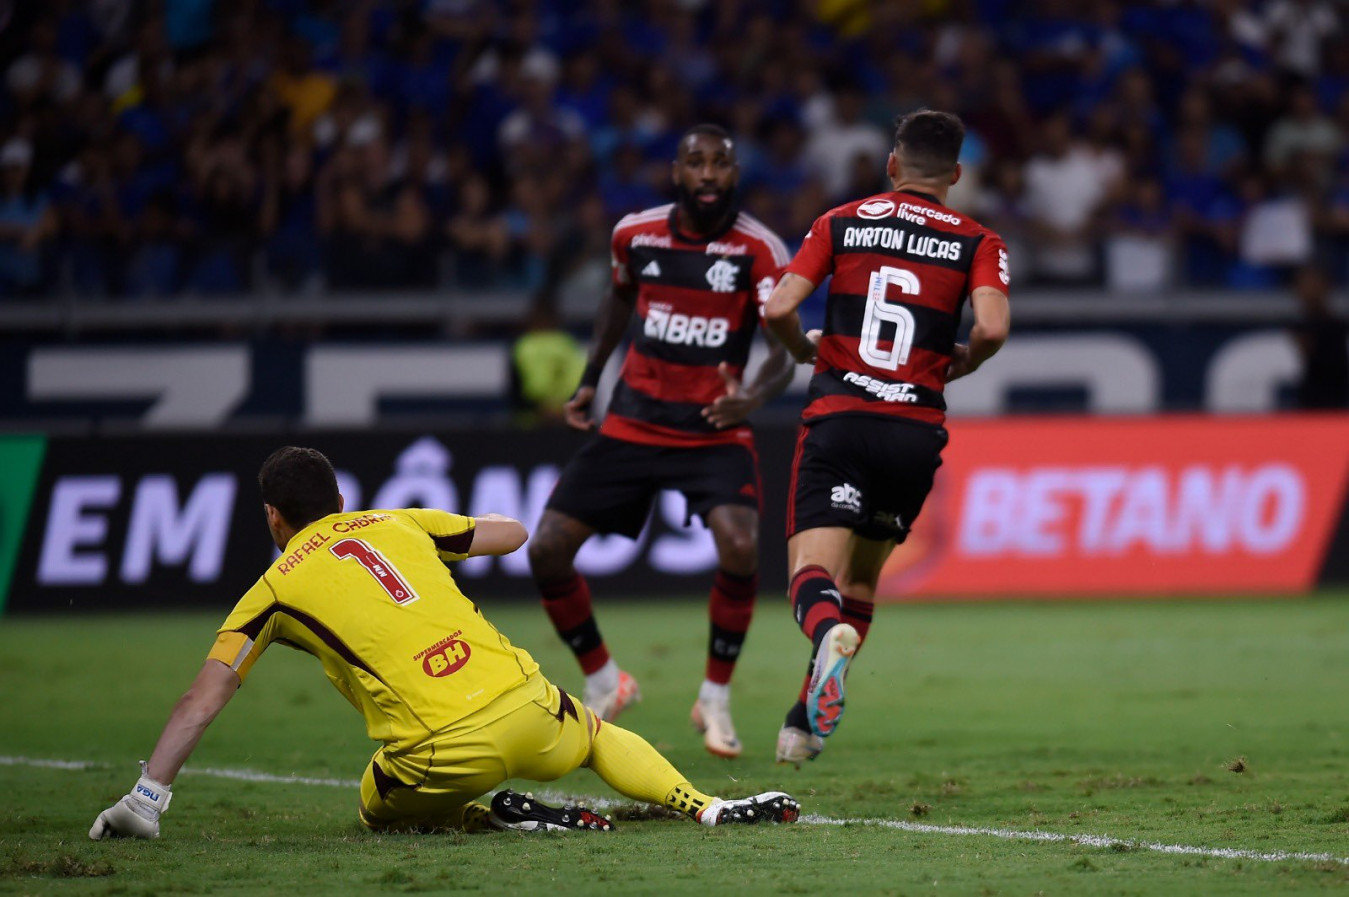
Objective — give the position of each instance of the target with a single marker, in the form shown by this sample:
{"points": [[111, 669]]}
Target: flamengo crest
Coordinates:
{"points": [[721, 276]]}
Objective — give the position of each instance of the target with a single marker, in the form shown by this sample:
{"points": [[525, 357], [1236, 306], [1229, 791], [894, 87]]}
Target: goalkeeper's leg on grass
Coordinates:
{"points": [[632, 767]]}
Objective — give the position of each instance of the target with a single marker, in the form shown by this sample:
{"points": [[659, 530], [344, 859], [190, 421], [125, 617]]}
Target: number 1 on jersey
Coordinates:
{"points": [[880, 312], [385, 574]]}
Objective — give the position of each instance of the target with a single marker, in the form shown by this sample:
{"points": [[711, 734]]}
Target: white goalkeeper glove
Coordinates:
{"points": [[137, 814]]}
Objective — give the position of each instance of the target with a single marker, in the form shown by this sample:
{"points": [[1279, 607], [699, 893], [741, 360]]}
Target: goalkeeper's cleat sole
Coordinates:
{"points": [[713, 719], [824, 700], [524, 813], [796, 746], [608, 705], [771, 806]]}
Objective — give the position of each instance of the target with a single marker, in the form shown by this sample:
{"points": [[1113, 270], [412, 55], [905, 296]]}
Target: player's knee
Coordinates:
{"points": [[540, 552], [545, 550], [369, 821], [738, 553], [857, 589]]}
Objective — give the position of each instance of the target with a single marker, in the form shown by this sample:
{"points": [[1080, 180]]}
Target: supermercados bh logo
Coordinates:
{"points": [[445, 657]]}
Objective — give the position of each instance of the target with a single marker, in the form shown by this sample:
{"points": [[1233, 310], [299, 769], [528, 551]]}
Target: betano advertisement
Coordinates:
{"points": [[1051, 507], [1077, 506]]}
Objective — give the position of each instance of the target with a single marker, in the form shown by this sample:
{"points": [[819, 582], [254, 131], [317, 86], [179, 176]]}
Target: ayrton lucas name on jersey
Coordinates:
{"points": [[922, 246]]}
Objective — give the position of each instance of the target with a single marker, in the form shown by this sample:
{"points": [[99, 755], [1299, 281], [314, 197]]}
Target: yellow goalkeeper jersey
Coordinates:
{"points": [[369, 595]]}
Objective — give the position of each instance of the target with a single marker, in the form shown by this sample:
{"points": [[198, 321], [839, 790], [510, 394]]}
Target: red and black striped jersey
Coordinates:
{"points": [[699, 302], [903, 266]]}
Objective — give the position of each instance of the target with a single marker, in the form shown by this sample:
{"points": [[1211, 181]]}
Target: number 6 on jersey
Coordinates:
{"points": [[880, 312]]}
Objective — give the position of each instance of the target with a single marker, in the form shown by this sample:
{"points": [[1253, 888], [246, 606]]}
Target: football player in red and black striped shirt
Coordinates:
{"points": [[696, 272], [903, 265]]}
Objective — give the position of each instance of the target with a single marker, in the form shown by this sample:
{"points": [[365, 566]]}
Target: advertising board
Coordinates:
{"points": [[1068, 507], [176, 520], [1143, 506]]}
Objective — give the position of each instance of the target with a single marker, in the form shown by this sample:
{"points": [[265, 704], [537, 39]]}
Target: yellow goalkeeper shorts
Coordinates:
{"points": [[427, 787]]}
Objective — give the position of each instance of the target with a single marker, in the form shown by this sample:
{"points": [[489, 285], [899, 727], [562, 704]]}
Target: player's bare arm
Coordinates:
{"points": [[783, 321], [496, 534], [207, 696], [137, 814], [992, 323], [611, 322], [743, 399]]}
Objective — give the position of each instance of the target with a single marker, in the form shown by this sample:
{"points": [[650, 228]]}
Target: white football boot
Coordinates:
{"points": [[609, 704], [796, 746], [712, 717]]}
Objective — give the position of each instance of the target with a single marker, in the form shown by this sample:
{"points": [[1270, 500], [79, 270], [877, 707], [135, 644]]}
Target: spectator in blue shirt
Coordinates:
{"points": [[28, 223]]}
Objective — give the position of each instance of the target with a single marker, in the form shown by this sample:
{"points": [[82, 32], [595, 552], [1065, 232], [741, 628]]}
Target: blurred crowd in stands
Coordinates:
{"points": [[212, 147]]}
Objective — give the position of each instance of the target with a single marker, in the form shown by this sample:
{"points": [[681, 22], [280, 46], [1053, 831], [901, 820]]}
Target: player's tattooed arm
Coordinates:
{"points": [[742, 399], [992, 323], [783, 321], [611, 322]]}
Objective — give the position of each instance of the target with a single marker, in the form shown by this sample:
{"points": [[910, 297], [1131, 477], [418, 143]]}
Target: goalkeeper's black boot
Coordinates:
{"points": [[771, 806], [525, 813]]}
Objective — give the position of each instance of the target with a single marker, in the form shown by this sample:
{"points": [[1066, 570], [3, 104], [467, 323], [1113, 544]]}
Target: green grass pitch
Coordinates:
{"points": [[1214, 725]]}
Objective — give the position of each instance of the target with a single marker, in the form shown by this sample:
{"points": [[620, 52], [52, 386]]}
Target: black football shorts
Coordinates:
{"points": [[610, 483], [866, 473]]}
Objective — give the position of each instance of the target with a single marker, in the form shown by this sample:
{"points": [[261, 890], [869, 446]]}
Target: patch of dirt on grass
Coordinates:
{"points": [[1116, 782], [873, 788], [64, 866], [1337, 817], [642, 813]]}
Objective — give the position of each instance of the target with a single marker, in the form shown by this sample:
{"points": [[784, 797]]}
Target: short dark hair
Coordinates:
{"points": [[927, 142], [300, 483]]}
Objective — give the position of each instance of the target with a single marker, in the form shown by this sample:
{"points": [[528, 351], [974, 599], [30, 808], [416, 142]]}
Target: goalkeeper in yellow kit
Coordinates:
{"points": [[457, 708]]}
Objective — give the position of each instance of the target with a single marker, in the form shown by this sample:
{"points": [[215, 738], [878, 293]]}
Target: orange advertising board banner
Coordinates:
{"points": [[1127, 506]]}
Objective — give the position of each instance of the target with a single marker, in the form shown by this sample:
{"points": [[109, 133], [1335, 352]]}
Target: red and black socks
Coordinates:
{"points": [[567, 602]]}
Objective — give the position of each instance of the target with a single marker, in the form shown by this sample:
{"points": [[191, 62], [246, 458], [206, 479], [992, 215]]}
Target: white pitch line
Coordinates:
{"points": [[1226, 853], [248, 775], [601, 803], [49, 764], [243, 775]]}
